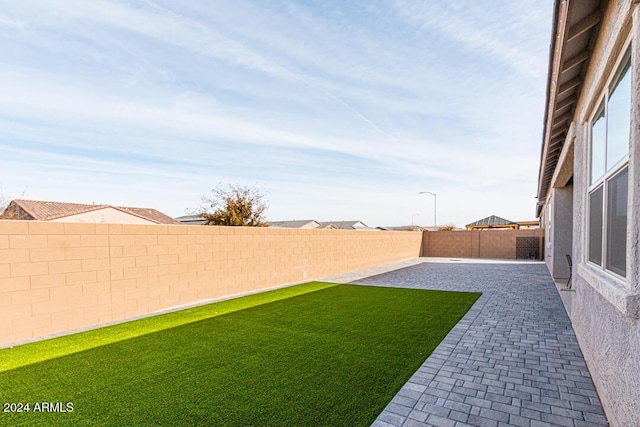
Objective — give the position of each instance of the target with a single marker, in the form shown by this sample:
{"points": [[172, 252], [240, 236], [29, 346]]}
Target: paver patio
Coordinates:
{"points": [[513, 360]]}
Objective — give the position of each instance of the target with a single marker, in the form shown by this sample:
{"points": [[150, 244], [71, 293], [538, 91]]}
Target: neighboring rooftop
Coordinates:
{"points": [[303, 223], [313, 224], [492, 222], [51, 211], [347, 225], [191, 220], [403, 228], [501, 223]]}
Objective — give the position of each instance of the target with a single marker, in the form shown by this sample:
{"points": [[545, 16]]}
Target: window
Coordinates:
{"points": [[609, 175], [617, 222]]}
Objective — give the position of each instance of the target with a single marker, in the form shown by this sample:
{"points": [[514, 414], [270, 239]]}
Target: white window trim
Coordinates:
{"points": [[621, 61]]}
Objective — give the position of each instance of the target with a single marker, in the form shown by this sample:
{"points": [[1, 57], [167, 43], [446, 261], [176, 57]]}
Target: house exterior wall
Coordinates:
{"points": [[58, 277], [605, 308], [500, 244], [559, 224], [107, 215]]}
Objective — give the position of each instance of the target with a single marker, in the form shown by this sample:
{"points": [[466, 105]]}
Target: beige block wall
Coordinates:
{"points": [[58, 277], [499, 244]]}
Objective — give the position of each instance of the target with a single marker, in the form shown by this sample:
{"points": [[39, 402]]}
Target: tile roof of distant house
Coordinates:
{"points": [[492, 222], [47, 211], [150, 214], [347, 225], [303, 223]]}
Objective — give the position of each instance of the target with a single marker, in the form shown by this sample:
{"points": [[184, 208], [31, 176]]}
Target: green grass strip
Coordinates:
{"points": [[333, 357], [39, 351]]}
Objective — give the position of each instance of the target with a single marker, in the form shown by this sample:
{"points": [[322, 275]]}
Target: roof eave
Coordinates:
{"points": [[553, 67], [576, 25]]}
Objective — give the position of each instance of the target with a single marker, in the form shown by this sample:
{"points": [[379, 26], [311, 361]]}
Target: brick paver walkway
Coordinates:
{"points": [[513, 360]]}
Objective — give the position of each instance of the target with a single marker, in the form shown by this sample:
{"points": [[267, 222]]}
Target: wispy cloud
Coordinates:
{"points": [[369, 102], [502, 31]]}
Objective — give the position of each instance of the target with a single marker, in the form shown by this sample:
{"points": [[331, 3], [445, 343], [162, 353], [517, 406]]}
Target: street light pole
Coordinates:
{"points": [[413, 216], [435, 209]]}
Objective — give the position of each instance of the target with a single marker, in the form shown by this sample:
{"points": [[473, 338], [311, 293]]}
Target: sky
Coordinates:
{"points": [[335, 110]]}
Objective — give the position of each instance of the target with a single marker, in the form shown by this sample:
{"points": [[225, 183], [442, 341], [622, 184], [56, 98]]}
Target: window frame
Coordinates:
{"points": [[623, 63]]}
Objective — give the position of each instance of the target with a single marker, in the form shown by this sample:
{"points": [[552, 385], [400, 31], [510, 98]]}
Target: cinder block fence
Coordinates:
{"points": [[58, 277], [494, 244]]}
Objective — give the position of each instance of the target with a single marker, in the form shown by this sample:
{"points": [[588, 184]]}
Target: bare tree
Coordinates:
{"points": [[446, 227], [14, 212], [4, 199], [236, 205]]}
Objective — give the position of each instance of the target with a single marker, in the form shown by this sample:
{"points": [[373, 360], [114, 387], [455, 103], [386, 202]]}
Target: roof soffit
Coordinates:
{"points": [[576, 27]]}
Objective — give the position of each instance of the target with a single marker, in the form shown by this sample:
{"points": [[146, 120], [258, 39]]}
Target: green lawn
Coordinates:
{"points": [[314, 354]]}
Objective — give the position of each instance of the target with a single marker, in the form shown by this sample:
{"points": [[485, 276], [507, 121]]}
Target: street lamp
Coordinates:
{"points": [[413, 216], [434, 206]]}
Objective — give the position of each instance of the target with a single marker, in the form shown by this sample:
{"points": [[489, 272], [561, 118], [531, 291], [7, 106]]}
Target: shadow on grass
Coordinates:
{"points": [[39, 351]]}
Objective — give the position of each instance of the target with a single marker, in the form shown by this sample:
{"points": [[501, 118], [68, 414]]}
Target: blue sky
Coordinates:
{"points": [[337, 110]]}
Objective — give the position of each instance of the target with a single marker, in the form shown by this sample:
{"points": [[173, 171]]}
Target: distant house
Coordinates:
{"points": [[492, 222], [36, 210], [305, 223], [191, 220], [347, 225], [402, 228], [313, 224]]}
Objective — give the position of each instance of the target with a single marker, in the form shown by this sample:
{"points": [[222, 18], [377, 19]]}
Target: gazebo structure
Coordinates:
{"points": [[493, 222]]}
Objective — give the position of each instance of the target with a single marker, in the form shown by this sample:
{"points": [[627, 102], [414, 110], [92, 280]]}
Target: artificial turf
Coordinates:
{"points": [[323, 355]]}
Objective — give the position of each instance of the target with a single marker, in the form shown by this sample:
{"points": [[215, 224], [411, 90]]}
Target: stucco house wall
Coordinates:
{"points": [[605, 311], [605, 308], [559, 225]]}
